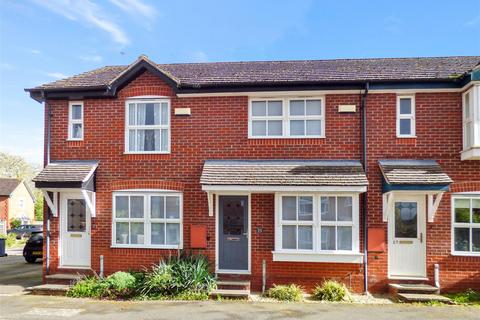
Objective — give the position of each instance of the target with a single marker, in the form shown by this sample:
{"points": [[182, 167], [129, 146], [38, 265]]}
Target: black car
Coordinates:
{"points": [[24, 231], [33, 248]]}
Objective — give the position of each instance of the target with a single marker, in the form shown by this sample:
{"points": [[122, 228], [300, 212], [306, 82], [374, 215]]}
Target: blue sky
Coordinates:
{"points": [[44, 40]]}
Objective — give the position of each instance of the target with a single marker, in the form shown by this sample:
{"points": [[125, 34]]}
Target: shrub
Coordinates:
{"points": [[290, 292], [118, 285], [330, 291], [11, 240], [89, 287], [15, 223], [470, 296]]}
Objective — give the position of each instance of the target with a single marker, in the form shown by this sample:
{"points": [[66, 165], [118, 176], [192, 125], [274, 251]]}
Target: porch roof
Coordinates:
{"points": [[413, 175], [78, 174], [283, 173]]}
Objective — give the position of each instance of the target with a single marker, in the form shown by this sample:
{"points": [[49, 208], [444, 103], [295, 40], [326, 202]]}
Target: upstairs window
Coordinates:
{"points": [[75, 121], [287, 118], [148, 126], [405, 116], [468, 120]]}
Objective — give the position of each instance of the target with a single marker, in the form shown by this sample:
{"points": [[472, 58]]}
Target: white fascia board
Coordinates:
{"points": [[254, 188]]}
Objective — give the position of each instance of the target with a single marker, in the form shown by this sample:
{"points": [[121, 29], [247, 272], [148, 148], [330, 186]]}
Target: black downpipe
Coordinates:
{"points": [[364, 195]]}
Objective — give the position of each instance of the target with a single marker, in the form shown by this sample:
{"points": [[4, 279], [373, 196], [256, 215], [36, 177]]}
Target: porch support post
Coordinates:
{"points": [[387, 205], [210, 203], [90, 201], [433, 205], [52, 204]]}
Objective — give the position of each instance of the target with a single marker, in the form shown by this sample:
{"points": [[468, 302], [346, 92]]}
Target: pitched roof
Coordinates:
{"points": [[8, 185], [283, 173], [425, 172], [67, 171], [218, 74]]}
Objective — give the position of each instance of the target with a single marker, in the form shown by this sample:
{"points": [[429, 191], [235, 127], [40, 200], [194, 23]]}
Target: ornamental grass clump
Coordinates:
{"points": [[291, 292], [330, 291]]}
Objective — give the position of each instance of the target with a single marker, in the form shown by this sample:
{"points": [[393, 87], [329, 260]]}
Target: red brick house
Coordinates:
{"points": [[365, 171]]}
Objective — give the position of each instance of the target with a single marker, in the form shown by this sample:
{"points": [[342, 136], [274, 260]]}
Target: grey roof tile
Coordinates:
{"points": [[8, 185], [426, 172], [283, 173], [67, 171]]}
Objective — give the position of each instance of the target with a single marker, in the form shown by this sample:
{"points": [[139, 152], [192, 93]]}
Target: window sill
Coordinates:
{"points": [[74, 140], [116, 246], [471, 154], [286, 137], [466, 254], [406, 137], [339, 257], [147, 152]]}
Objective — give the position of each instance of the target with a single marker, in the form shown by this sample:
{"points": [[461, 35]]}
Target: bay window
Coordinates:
{"points": [[471, 124], [466, 225], [147, 126], [316, 224], [147, 220], [287, 118]]}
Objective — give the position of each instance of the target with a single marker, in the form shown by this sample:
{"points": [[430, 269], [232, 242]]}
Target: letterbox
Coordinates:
{"points": [[198, 236]]}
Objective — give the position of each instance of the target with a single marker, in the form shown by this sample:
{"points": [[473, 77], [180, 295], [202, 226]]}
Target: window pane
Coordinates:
{"points": [[137, 233], [314, 127], [173, 208], [476, 210], [158, 233], [131, 114], [152, 114], [297, 107], [314, 107], [305, 237], [462, 239], [405, 106], [121, 206], [462, 210], [297, 127], [148, 140], [164, 140], [275, 108], [328, 208], [164, 118], [344, 238], [305, 208], [259, 108], [157, 207], [289, 208], [136, 207], [121, 232], [289, 237], [76, 112], [173, 233], [467, 106], [141, 113], [475, 239], [328, 238], [131, 140], [468, 134], [77, 130], [275, 128], [344, 211], [259, 128], [76, 215], [405, 219], [405, 126]]}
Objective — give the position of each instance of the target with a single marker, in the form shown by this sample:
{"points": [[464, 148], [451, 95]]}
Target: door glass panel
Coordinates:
{"points": [[462, 239], [233, 218], [405, 219], [76, 215], [462, 210]]}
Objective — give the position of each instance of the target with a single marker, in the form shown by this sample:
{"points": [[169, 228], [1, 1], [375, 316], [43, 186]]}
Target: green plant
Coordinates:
{"points": [[291, 292], [39, 208], [11, 240], [118, 285], [15, 223], [470, 296], [89, 287], [330, 291], [191, 295]]}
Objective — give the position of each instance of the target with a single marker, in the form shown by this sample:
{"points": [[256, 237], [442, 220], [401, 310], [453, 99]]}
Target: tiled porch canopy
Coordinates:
{"points": [[413, 176], [61, 176]]}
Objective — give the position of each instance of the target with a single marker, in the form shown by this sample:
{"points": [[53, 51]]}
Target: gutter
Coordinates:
{"points": [[364, 195]]}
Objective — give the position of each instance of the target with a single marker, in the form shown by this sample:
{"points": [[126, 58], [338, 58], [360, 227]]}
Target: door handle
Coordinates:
{"points": [[421, 237]]}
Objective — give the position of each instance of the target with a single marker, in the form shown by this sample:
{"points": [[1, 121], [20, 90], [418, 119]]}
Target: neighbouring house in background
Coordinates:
{"points": [[366, 171], [16, 202]]}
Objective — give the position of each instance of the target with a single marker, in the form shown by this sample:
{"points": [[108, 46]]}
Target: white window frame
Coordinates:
{"points": [[128, 127], [72, 121], [317, 254], [468, 119], [286, 118], [410, 116], [147, 220], [469, 225]]}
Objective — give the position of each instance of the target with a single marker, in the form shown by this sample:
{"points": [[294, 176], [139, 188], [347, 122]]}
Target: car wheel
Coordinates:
{"points": [[30, 259]]}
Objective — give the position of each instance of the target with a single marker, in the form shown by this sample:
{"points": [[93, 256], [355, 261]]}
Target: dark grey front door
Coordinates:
{"points": [[233, 233]]}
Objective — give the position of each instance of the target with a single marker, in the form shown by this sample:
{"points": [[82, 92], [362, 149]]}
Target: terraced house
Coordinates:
{"points": [[366, 171]]}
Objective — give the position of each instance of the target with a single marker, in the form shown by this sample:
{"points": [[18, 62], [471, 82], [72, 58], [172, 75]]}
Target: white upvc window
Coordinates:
{"points": [[469, 119], [147, 126], [75, 120], [466, 225], [406, 116], [317, 224], [147, 219], [286, 118]]}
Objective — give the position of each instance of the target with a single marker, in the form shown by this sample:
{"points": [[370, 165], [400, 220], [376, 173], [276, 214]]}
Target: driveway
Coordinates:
{"points": [[16, 274]]}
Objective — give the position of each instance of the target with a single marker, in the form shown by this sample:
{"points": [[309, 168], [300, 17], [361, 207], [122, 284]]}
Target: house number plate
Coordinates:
{"points": [[233, 239]]}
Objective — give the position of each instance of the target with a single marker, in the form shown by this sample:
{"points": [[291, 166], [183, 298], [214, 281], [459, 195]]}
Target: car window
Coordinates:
{"points": [[36, 236]]}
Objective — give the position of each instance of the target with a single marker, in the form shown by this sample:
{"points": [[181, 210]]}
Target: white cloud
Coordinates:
{"points": [[56, 75], [92, 58], [6, 66], [35, 51], [136, 7], [473, 21], [88, 13], [199, 56]]}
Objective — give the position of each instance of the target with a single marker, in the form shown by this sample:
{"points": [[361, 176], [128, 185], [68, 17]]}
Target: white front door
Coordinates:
{"points": [[74, 231], [406, 237]]}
